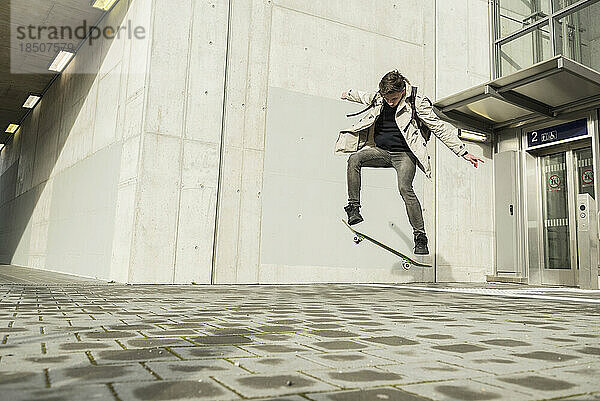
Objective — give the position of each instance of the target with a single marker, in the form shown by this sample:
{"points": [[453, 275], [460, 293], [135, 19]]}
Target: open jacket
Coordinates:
{"points": [[361, 133]]}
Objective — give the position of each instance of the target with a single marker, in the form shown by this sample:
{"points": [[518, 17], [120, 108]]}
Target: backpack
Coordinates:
{"points": [[424, 129]]}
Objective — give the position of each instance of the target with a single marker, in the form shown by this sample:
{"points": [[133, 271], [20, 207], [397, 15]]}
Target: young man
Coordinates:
{"points": [[389, 136]]}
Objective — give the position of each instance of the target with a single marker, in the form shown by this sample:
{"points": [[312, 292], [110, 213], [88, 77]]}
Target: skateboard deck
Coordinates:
{"points": [[407, 262]]}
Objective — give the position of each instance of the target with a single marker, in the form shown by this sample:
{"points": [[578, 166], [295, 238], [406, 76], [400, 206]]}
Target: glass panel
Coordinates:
{"points": [[555, 212], [560, 4], [525, 51], [578, 36], [516, 14], [585, 171]]}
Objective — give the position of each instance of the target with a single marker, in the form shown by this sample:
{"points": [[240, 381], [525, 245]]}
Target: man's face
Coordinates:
{"points": [[394, 98]]}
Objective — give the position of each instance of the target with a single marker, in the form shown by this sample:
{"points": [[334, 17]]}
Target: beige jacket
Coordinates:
{"points": [[361, 133]]}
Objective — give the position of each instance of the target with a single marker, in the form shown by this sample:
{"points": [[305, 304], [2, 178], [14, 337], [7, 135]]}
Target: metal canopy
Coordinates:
{"points": [[542, 91]]}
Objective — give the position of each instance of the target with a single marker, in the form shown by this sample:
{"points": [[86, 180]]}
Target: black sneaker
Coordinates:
{"points": [[354, 216], [421, 245]]}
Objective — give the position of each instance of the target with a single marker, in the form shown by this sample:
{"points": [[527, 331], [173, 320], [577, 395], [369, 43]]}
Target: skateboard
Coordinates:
{"points": [[406, 261]]}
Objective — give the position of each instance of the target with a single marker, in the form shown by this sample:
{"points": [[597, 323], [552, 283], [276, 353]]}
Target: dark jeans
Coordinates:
{"points": [[405, 165]]}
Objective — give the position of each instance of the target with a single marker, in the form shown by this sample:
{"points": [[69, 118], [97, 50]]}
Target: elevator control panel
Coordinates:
{"points": [[584, 218], [587, 242]]}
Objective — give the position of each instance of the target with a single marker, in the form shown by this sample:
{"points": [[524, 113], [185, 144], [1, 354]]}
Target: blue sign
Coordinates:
{"points": [[557, 133]]}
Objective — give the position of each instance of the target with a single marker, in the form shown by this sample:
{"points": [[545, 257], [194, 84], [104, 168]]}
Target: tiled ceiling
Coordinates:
{"points": [[23, 73]]}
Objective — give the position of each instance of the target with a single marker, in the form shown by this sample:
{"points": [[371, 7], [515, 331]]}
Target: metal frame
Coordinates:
{"points": [[596, 158], [507, 88], [555, 276], [519, 100], [524, 205], [572, 205], [538, 274], [550, 20], [575, 193]]}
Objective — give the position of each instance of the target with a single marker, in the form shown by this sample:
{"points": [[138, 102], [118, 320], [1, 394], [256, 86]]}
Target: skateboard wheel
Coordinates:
{"points": [[357, 240], [406, 265]]}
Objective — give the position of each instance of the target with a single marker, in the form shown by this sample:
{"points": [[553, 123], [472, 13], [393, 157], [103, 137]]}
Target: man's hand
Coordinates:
{"points": [[344, 95], [472, 159]]}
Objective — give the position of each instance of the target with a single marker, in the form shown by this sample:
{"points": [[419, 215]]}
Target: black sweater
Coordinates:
{"points": [[387, 134]]}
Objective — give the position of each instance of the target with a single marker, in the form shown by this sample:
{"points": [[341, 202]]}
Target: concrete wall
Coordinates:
{"points": [[464, 195], [294, 220], [282, 189], [70, 172], [304, 190], [223, 129], [174, 219]]}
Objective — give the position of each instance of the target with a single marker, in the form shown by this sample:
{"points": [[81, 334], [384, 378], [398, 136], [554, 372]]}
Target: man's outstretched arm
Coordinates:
{"points": [[359, 96], [438, 128]]}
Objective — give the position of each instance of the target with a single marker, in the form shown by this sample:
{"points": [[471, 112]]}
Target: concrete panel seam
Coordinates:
{"points": [[247, 79], [122, 86], [60, 126], [477, 75], [241, 148], [221, 145], [436, 211], [136, 93], [183, 130], [263, 156], [142, 140], [239, 206], [347, 25], [468, 47], [116, 124], [93, 122], [37, 133], [162, 134], [199, 141], [128, 182]]}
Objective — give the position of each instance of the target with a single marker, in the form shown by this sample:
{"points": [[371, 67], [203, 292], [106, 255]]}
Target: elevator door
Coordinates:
{"points": [[564, 175]]}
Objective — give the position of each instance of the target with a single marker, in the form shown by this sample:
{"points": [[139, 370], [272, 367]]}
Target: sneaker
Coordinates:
{"points": [[421, 245], [354, 216]]}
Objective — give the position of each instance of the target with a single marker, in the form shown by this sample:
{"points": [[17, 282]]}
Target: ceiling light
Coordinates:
{"points": [[12, 128], [31, 101], [472, 136], [103, 4], [61, 61]]}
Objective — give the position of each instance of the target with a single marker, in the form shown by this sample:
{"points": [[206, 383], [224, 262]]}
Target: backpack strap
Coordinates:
{"points": [[366, 108], [412, 100], [362, 111]]}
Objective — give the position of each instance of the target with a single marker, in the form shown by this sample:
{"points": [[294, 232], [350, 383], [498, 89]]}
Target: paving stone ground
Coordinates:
{"points": [[87, 340]]}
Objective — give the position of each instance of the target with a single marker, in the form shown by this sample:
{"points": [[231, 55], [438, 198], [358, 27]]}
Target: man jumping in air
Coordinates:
{"points": [[392, 134]]}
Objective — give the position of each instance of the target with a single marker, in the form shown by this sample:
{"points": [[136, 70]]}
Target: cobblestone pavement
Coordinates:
{"points": [[89, 341]]}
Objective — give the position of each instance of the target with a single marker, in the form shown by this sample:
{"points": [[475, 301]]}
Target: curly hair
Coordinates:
{"points": [[393, 81]]}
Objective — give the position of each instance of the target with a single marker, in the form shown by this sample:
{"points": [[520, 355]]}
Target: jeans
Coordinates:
{"points": [[405, 165]]}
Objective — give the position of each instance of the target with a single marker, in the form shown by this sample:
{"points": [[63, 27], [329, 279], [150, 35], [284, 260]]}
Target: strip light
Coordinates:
{"points": [[61, 61], [473, 136], [12, 128], [103, 4], [31, 101]]}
